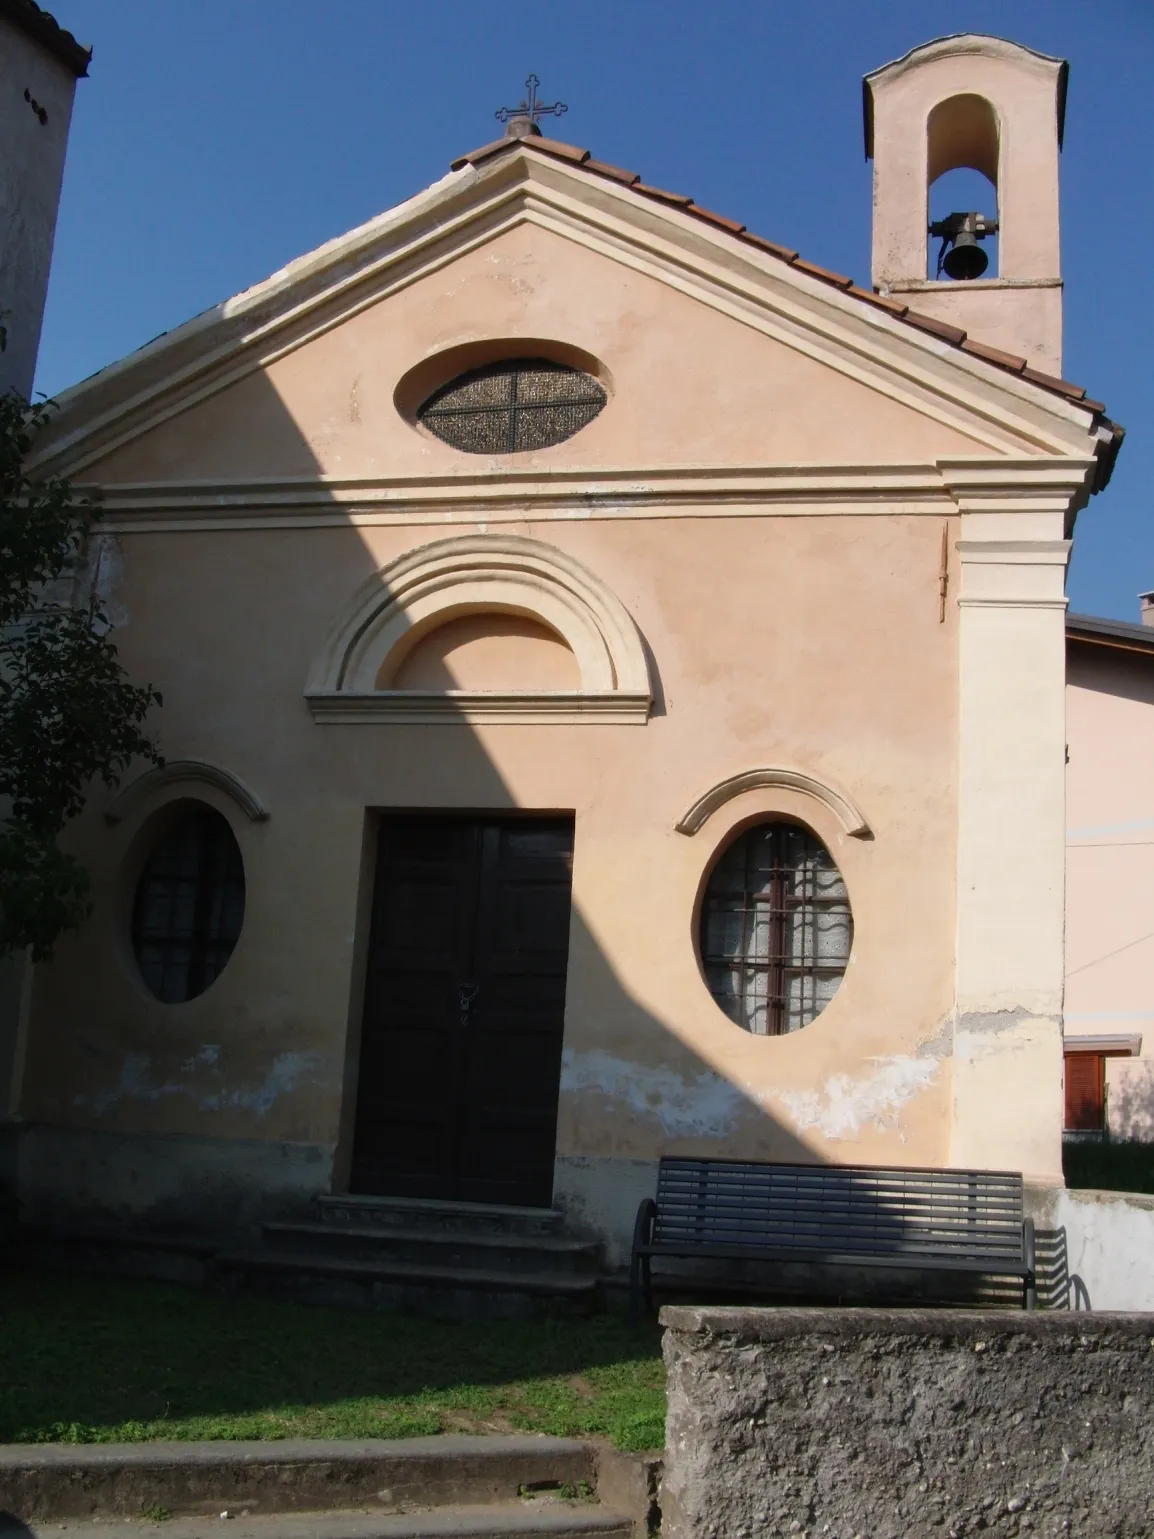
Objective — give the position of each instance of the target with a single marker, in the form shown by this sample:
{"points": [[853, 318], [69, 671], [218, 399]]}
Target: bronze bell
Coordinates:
{"points": [[965, 259], [961, 257]]}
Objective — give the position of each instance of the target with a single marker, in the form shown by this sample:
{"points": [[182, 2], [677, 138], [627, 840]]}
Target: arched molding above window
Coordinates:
{"points": [[184, 772], [471, 574], [847, 814]]}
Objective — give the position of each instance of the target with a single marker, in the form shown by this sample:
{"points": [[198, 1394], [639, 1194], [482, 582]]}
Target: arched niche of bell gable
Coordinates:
{"points": [[521, 609], [963, 148]]}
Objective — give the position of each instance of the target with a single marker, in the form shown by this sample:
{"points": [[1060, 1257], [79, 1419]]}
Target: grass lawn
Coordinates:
{"points": [[95, 1360]]}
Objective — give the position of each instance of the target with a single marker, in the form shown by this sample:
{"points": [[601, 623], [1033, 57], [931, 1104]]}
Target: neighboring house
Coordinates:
{"points": [[614, 684], [39, 67], [1110, 875]]}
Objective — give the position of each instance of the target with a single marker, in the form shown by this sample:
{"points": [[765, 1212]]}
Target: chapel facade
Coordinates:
{"points": [[613, 680]]}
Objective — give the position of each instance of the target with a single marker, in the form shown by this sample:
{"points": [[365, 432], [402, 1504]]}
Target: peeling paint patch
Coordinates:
{"points": [[285, 1074], [844, 1105], [704, 1106]]}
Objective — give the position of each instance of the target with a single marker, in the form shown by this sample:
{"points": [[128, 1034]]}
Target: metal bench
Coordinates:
{"points": [[835, 1215]]}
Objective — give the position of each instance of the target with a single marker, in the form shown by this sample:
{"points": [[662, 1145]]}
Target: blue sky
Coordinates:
{"points": [[216, 140]]}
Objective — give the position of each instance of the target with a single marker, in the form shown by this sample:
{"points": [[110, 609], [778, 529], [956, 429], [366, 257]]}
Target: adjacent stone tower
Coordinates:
{"points": [[40, 64], [997, 108]]}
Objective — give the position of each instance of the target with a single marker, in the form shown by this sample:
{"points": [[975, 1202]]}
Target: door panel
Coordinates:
{"points": [[464, 1009]]}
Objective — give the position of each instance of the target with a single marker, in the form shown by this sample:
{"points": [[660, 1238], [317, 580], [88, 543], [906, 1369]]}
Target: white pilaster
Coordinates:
{"points": [[1013, 550]]}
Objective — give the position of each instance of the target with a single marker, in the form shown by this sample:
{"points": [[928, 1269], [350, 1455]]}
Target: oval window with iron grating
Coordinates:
{"points": [[776, 929], [513, 406]]}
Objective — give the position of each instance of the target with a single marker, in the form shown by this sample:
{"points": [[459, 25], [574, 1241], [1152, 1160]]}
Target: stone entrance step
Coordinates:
{"points": [[535, 1518], [454, 1292], [434, 1213], [421, 1244], [460, 1260]]}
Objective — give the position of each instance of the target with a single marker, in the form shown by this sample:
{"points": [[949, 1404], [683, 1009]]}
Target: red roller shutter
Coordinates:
{"points": [[1085, 1092]]}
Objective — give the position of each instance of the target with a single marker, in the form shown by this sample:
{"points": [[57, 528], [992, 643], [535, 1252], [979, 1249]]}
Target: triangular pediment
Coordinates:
{"points": [[716, 353]]}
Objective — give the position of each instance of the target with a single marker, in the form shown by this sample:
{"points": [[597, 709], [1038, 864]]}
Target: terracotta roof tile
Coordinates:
{"points": [[1011, 361], [936, 328], [555, 147], [894, 306], [475, 156], [720, 219], [928, 323], [840, 279], [679, 198], [602, 168], [784, 252], [1052, 382]]}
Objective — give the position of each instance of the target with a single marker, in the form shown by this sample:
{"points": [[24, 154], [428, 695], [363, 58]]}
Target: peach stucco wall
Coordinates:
{"points": [[811, 636], [1110, 867]]}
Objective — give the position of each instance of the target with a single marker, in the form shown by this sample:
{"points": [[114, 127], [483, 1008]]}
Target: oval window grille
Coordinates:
{"points": [[189, 906], [513, 406], [776, 929]]}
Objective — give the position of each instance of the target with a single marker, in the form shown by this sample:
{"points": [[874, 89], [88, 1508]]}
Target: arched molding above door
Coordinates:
{"points": [[471, 574], [847, 814], [174, 775]]}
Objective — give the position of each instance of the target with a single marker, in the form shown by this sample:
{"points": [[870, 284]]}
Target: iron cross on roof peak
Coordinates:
{"points": [[523, 119]]}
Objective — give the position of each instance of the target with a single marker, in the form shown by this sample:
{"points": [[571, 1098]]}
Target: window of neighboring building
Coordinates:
{"points": [[189, 906], [1085, 1092], [776, 929], [513, 406]]}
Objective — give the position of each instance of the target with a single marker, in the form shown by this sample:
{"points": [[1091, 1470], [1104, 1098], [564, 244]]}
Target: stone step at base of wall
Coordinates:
{"points": [[536, 1518], [447, 1247], [436, 1213], [452, 1292], [372, 1481]]}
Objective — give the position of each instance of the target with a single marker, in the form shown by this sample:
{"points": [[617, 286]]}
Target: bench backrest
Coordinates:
{"points": [[826, 1210]]}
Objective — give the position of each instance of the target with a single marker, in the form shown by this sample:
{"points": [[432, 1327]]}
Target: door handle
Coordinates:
{"points": [[466, 994]]}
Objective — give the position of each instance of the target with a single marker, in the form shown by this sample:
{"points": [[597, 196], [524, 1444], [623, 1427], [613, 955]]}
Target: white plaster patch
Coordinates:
{"points": [[844, 1105], [285, 1074], [105, 577], [705, 1106]]}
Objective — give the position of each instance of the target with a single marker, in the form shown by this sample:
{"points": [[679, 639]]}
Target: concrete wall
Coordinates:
{"points": [[1095, 1249], [31, 168], [906, 1423]]}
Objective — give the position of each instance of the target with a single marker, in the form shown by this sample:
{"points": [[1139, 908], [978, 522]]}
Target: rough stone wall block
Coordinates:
{"points": [[890, 1424]]}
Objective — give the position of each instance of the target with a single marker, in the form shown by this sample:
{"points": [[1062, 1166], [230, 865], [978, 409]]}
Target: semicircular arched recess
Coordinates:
{"points": [[180, 772], [839, 804], [475, 573]]}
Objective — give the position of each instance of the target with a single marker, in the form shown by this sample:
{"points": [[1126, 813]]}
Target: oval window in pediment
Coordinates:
{"points": [[513, 406]]}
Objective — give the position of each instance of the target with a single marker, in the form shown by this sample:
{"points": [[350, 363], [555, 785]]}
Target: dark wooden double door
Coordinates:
{"points": [[464, 1009]]}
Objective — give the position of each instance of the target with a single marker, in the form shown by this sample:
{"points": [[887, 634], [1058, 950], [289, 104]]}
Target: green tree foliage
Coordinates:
{"points": [[68, 713]]}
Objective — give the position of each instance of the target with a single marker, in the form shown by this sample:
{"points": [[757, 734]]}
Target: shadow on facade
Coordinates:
{"points": [[205, 1117]]}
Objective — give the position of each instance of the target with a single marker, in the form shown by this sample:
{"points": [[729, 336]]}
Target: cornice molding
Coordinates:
{"points": [[847, 814], [178, 772], [362, 269], [456, 707], [1032, 482]]}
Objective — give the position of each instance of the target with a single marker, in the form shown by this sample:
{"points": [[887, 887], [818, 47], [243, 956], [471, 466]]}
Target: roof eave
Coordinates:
{"points": [[48, 32]]}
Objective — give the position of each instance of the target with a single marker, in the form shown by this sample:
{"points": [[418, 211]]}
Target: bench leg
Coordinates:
{"points": [[635, 1290]]}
